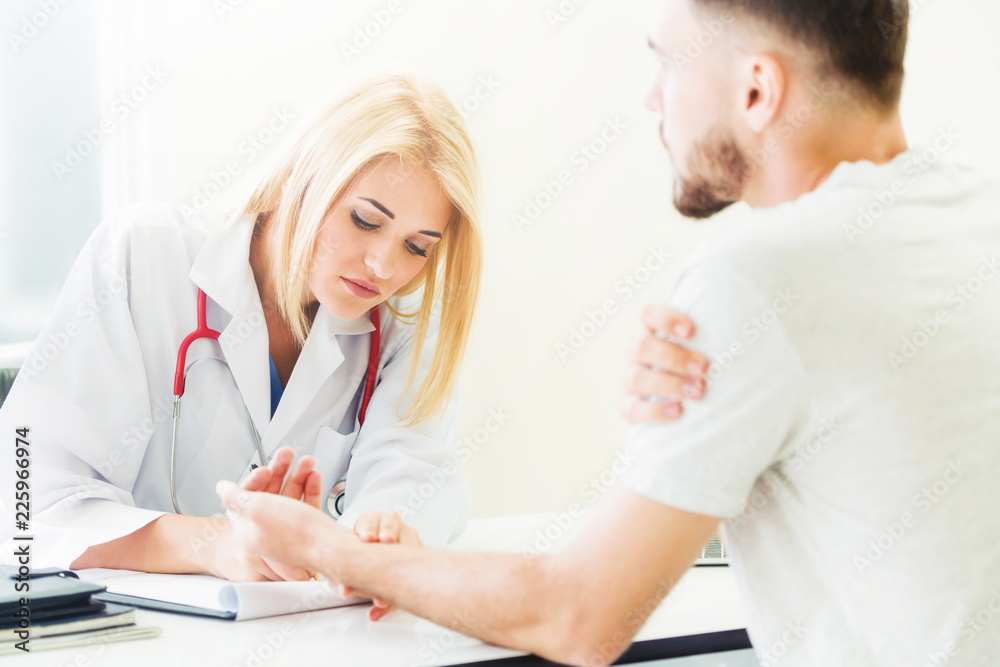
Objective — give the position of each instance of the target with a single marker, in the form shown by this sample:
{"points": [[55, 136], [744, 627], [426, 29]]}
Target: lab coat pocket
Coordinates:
{"points": [[332, 454]]}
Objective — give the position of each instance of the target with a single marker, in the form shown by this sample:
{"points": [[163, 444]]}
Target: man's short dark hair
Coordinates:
{"points": [[861, 42]]}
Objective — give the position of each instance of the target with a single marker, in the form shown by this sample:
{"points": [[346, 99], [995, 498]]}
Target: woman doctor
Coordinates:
{"points": [[374, 207]]}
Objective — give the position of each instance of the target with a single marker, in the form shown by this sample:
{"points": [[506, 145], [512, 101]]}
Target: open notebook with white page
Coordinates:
{"points": [[205, 595]]}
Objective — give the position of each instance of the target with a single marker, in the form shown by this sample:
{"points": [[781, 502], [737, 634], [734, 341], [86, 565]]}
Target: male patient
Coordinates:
{"points": [[849, 438]]}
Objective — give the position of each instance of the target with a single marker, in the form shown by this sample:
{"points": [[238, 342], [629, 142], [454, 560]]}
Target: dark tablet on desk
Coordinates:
{"points": [[646, 651]]}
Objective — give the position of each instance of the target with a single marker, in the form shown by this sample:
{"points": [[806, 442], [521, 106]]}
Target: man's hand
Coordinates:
{"points": [[660, 372], [229, 558], [285, 530]]}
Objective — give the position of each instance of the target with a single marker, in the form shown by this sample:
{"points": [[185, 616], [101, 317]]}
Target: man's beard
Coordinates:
{"points": [[718, 169]]}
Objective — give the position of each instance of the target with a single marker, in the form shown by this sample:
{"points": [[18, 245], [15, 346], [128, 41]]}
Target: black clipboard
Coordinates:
{"points": [[162, 605], [54, 590]]}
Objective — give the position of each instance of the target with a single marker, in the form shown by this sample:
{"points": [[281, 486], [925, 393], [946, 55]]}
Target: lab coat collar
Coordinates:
{"points": [[319, 359], [222, 268], [334, 326]]}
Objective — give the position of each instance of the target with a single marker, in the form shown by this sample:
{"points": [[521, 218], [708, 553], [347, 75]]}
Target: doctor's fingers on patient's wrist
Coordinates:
{"points": [[366, 527], [373, 526], [390, 527], [637, 410], [661, 317], [644, 381], [369, 526], [650, 350]]}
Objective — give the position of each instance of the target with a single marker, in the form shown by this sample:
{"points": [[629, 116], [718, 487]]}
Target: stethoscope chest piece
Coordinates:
{"points": [[335, 501]]}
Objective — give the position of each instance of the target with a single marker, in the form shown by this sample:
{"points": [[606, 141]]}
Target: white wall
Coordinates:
{"points": [[558, 86], [48, 95]]}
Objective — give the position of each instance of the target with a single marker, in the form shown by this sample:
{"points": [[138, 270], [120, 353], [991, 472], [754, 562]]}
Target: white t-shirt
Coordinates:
{"points": [[850, 434]]}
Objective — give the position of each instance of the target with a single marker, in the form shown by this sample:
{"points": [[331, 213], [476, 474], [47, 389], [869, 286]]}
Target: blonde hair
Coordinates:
{"points": [[386, 115]]}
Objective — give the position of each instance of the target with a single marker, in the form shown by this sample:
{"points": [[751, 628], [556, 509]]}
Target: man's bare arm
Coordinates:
{"points": [[581, 606]]}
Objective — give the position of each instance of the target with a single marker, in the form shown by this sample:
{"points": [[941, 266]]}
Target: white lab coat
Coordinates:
{"points": [[96, 391]]}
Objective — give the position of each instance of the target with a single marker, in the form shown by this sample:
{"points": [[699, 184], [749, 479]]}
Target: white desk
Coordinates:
{"points": [[704, 601]]}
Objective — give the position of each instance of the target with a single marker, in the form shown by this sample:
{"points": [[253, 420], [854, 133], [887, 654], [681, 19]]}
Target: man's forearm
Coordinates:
{"points": [[506, 599], [171, 543]]}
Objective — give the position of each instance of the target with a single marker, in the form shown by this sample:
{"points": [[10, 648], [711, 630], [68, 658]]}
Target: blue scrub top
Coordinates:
{"points": [[276, 388]]}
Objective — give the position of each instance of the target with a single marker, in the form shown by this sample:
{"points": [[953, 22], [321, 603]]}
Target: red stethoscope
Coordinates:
{"points": [[204, 332]]}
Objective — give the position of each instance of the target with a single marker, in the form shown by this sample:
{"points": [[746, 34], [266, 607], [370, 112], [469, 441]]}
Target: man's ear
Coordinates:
{"points": [[762, 89]]}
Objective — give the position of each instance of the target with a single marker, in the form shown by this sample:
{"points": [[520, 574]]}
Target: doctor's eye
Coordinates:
{"points": [[415, 249], [361, 224]]}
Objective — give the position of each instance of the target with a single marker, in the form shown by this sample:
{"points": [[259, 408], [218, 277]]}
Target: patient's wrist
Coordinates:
{"points": [[336, 552]]}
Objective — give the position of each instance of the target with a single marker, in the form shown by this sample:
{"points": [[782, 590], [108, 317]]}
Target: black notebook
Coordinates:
{"points": [[102, 616], [58, 611], [50, 595]]}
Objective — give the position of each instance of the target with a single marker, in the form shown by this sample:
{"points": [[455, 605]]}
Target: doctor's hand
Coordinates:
{"points": [[387, 528], [660, 372], [303, 482]]}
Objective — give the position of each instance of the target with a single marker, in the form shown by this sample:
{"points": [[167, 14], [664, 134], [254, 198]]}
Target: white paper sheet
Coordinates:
{"points": [[248, 600]]}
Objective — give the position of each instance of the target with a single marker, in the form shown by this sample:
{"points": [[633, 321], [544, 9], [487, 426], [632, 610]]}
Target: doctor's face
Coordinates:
{"points": [[377, 238], [691, 89]]}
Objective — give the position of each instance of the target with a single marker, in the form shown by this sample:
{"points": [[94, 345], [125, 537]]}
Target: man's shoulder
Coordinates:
{"points": [[753, 258], [799, 236], [815, 222], [833, 218]]}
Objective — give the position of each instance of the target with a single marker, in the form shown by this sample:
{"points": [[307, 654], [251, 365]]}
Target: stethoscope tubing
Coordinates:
{"points": [[202, 331]]}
